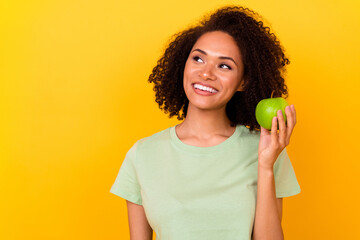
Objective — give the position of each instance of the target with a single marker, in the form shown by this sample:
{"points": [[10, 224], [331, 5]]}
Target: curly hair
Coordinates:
{"points": [[262, 55]]}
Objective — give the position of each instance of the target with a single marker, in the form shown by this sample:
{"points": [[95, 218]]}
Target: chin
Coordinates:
{"points": [[203, 105]]}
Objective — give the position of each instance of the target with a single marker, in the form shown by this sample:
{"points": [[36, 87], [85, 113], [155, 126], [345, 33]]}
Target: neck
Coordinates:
{"points": [[206, 123]]}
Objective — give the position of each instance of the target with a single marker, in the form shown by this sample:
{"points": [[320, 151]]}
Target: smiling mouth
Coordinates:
{"points": [[204, 88], [203, 92]]}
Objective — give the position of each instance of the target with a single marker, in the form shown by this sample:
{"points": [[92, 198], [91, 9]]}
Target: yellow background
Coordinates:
{"points": [[74, 98]]}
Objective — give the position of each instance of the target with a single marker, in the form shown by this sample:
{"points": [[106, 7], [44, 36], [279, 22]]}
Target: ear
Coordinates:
{"points": [[241, 86]]}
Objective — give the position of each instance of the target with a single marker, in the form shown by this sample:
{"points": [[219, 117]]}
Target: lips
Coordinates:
{"points": [[206, 85], [203, 92]]}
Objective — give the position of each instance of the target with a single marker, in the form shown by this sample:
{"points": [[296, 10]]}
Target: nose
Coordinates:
{"points": [[207, 74]]}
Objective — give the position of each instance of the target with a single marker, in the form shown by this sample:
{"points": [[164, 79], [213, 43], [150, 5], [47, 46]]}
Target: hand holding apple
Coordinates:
{"points": [[267, 109], [272, 143]]}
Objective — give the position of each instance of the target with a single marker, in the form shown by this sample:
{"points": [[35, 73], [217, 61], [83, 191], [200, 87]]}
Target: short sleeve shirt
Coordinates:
{"points": [[193, 193]]}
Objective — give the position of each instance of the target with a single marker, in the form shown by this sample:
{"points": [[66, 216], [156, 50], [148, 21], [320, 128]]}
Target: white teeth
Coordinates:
{"points": [[205, 88]]}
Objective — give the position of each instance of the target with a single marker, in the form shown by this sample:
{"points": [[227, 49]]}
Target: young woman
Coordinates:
{"points": [[217, 174]]}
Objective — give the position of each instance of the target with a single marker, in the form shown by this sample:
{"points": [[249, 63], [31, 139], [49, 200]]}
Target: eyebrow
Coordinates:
{"points": [[221, 57]]}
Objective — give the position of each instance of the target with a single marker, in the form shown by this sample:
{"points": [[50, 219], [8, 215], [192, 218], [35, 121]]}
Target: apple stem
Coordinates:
{"points": [[272, 93]]}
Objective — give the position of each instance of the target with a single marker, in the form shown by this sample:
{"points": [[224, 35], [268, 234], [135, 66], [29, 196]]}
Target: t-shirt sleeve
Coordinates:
{"points": [[286, 184], [126, 184]]}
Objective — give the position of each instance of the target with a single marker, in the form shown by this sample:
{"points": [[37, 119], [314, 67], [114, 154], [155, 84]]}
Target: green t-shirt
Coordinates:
{"points": [[193, 193]]}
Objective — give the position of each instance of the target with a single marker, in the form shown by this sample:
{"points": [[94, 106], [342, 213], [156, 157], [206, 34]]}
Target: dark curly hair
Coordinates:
{"points": [[262, 55]]}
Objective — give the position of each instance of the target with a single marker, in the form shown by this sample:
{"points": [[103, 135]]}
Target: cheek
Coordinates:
{"points": [[232, 80], [186, 71], [227, 80], [186, 80], [189, 73]]}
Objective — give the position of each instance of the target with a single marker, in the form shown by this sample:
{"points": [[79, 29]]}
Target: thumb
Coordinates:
{"points": [[264, 132]]}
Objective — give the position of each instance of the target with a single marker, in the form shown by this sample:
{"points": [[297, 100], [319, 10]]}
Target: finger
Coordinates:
{"points": [[282, 128], [274, 135], [294, 113], [290, 123], [264, 131]]}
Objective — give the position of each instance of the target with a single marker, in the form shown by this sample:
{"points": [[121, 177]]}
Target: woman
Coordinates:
{"points": [[217, 174]]}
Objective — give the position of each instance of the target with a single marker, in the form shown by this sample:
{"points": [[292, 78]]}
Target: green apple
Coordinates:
{"points": [[267, 109]]}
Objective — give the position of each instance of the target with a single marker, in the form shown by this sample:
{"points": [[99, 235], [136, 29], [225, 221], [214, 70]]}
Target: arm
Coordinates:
{"points": [[279, 202], [138, 224], [268, 208], [268, 211]]}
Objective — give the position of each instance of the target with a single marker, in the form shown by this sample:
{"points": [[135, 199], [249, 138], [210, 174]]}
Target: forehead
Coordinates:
{"points": [[218, 43]]}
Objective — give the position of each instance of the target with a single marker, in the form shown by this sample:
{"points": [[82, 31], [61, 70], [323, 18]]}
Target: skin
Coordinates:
{"points": [[267, 223], [206, 124], [138, 224]]}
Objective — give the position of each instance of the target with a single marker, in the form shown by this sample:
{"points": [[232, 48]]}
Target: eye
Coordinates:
{"points": [[226, 66], [196, 58]]}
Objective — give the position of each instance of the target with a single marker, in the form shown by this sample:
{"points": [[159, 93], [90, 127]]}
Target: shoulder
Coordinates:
{"points": [[151, 147], [249, 136], [155, 140]]}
